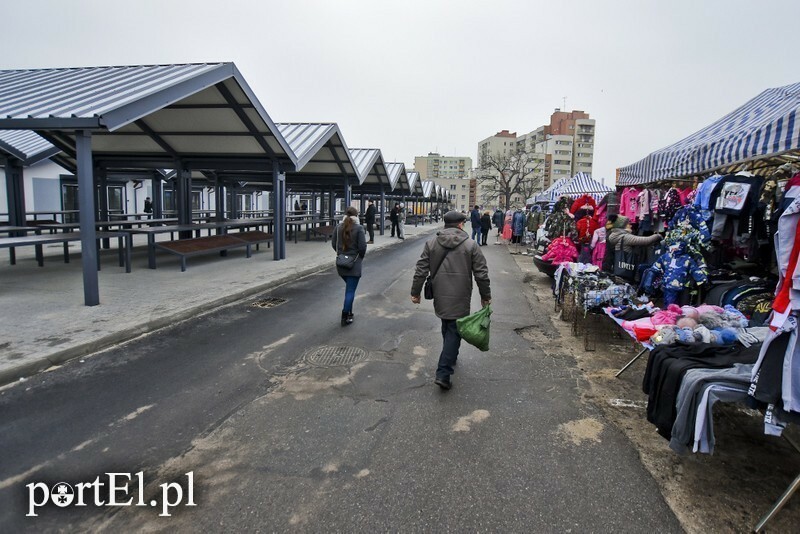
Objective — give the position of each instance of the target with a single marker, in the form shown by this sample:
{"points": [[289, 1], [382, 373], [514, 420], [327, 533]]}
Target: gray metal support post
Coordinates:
{"points": [[362, 206], [219, 201], [279, 212], [348, 195], [332, 202], [86, 196], [383, 211], [15, 192], [103, 215], [183, 180], [158, 196]]}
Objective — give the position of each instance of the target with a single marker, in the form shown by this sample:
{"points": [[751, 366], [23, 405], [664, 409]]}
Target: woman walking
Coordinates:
{"points": [[349, 240]]}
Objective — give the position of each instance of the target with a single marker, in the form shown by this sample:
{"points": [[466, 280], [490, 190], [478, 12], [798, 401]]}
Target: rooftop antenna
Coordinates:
{"points": [[564, 98]]}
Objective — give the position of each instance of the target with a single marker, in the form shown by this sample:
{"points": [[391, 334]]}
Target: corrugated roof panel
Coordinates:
{"points": [[427, 188], [395, 170], [24, 144], [86, 92], [306, 138]]}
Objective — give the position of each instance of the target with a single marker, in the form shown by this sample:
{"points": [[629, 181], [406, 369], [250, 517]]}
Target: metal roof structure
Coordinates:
{"points": [[414, 183], [371, 169], [398, 178], [322, 154], [428, 188], [26, 146], [763, 132], [203, 115]]}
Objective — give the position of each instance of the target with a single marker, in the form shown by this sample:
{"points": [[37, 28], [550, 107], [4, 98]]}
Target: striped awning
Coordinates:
{"points": [[551, 193], [764, 130], [583, 184]]}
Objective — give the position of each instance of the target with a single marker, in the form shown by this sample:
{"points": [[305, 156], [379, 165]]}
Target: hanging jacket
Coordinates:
{"points": [[679, 269], [518, 223], [670, 204]]}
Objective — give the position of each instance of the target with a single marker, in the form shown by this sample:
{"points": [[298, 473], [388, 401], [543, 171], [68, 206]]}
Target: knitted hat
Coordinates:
{"points": [[621, 222]]}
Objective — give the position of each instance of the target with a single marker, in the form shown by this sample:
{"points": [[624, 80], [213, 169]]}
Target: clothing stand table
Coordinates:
{"points": [[646, 346]]}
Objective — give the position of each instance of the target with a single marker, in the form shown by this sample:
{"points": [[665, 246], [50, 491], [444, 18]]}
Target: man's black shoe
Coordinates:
{"points": [[444, 384]]}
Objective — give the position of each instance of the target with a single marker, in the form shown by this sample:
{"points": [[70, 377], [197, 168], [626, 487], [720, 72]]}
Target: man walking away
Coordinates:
{"points": [[475, 220], [453, 260], [369, 219], [393, 219]]}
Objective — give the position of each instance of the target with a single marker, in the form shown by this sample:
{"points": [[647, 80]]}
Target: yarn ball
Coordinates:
{"points": [[675, 309], [685, 334], [686, 322], [665, 317], [712, 320], [727, 336], [688, 311], [705, 308], [703, 334], [665, 336]]}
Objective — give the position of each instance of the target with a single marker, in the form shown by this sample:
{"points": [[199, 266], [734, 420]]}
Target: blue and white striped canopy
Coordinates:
{"points": [[765, 126], [551, 193], [581, 184]]}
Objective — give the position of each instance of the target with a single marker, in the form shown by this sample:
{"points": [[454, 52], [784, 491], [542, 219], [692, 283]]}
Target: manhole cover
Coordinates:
{"points": [[326, 356], [269, 302]]}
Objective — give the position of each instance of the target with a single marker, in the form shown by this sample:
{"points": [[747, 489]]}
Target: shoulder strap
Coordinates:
{"points": [[446, 252]]}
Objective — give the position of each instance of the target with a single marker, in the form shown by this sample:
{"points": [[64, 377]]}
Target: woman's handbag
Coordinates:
{"points": [[624, 262], [474, 329], [345, 261]]}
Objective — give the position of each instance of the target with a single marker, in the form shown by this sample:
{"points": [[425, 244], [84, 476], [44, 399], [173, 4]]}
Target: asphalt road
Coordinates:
{"points": [[289, 422]]}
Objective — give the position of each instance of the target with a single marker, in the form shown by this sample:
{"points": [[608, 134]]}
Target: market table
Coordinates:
{"points": [[37, 241]]}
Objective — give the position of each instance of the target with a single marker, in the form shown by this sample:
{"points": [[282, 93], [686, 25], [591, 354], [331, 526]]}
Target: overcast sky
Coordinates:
{"points": [[418, 76]]}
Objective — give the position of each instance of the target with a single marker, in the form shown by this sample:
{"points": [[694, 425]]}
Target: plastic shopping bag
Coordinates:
{"points": [[474, 329]]}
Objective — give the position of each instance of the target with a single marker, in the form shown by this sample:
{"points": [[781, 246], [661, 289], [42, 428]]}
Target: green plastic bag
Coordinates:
{"points": [[474, 329]]}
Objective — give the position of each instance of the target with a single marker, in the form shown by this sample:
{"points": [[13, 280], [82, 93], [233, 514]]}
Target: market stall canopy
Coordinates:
{"points": [[428, 188], [204, 115], [372, 174], [414, 183], [551, 193], [27, 147], [322, 155], [583, 184], [397, 178], [764, 132]]}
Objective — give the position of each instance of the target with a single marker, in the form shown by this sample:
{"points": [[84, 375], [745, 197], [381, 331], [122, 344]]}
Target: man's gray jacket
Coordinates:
{"points": [[452, 286]]}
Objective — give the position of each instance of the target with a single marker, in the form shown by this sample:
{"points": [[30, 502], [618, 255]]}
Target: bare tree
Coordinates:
{"points": [[506, 175]]}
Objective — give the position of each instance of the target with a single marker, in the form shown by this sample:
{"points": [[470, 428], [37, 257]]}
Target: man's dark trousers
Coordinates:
{"points": [[371, 231], [450, 345]]}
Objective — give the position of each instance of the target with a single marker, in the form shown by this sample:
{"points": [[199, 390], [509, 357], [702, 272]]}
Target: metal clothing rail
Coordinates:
{"points": [[781, 502]]}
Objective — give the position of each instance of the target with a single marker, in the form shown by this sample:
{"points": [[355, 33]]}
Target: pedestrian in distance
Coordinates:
{"points": [[497, 219], [453, 261], [475, 220], [401, 221], [393, 219], [348, 238], [369, 220], [486, 225], [148, 207]]}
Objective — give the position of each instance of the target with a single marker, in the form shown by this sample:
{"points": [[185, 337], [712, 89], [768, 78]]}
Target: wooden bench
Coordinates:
{"points": [[185, 248], [324, 231], [254, 237]]}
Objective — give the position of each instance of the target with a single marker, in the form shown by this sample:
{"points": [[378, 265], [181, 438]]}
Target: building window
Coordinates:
{"points": [[463, 197]]}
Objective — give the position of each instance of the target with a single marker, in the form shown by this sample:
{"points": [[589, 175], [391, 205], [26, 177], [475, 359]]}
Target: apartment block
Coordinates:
{"points": [[434, 166], [560, 149]]}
